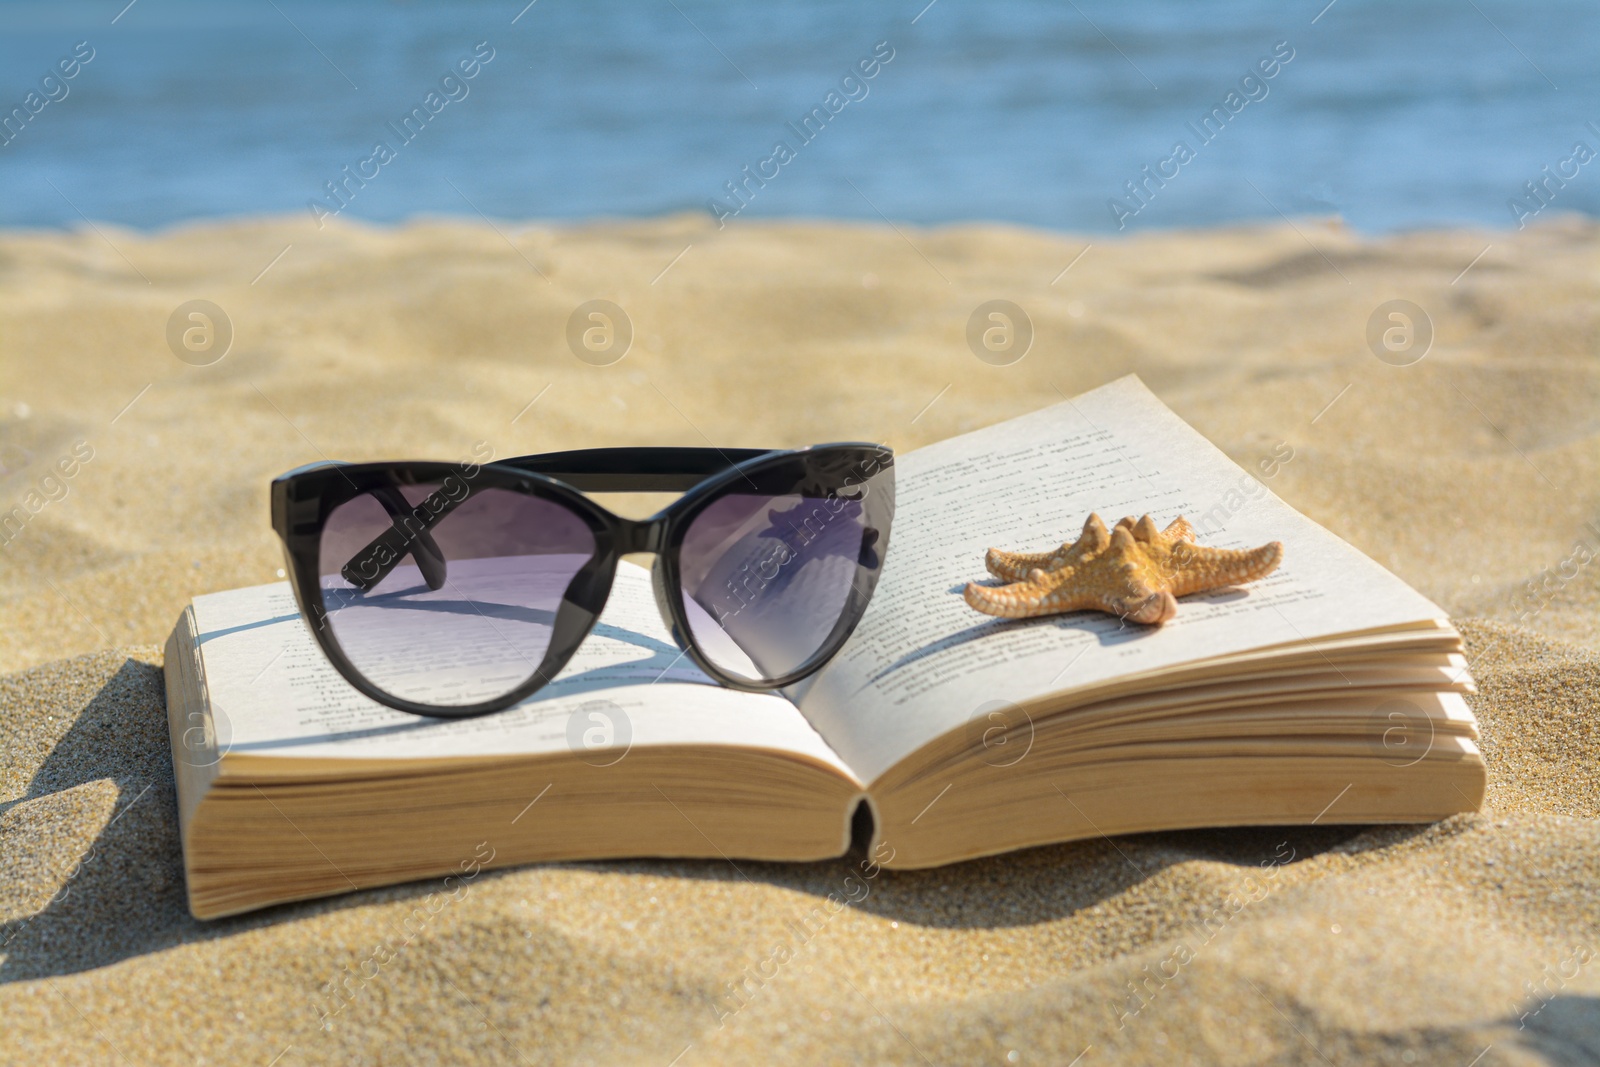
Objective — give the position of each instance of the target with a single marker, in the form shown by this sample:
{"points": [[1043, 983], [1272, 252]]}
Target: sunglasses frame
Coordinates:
{"points": [[304, 498]]}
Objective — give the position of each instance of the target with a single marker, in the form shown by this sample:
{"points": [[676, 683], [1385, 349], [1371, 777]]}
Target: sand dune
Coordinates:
{"points": [[1471, 473]]}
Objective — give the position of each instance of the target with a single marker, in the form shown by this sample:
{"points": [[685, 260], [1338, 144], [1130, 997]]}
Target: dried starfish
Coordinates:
{"points": [[1134, 571]]}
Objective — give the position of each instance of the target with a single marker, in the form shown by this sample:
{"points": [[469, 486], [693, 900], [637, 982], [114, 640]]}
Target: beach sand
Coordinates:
{"points": [[1470, 473]]}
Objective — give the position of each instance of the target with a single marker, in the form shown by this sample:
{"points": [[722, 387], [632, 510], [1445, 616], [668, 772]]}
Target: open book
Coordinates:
{"points": [[1329, 692]]}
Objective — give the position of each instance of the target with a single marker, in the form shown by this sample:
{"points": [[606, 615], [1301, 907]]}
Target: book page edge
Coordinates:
{"points": [[188, 709]]}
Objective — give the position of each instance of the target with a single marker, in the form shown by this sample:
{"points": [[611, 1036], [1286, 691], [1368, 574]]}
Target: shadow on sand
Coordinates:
{"points": [[125, 896]]}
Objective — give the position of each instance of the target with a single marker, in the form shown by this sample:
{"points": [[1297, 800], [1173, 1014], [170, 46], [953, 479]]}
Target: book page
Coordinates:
{"points": [[923, 662], [274, 693]]}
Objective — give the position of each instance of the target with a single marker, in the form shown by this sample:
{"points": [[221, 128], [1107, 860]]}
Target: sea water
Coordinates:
{"points": [[1083, 115]]}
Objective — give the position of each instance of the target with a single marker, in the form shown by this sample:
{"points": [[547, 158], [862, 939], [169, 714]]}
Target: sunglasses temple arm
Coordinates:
{"points": [[407, 535]]}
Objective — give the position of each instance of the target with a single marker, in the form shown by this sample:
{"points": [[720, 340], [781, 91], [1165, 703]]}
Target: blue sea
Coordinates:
{"points": [[1391, 115]]}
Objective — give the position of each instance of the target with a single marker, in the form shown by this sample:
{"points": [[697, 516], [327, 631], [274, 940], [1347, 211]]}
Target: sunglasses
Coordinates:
{"points": [[460, 589]]}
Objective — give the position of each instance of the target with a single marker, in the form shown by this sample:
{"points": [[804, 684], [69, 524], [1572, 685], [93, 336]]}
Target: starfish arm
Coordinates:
{"points": [[1145, 530], [1014, 566], [1196, 568], [1094, 535], [1179, 529], [1025, 600], [1152, 609], [1041, 593]]}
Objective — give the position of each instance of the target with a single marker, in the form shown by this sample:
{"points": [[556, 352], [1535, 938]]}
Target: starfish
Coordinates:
{"points": [[1134, 571]]}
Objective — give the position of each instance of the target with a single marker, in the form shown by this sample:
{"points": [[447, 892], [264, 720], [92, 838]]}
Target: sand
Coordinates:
{"points": [[1471, 473]]}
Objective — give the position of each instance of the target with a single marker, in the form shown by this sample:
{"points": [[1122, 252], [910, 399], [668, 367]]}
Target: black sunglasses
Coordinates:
{"points": [[459, 589]]}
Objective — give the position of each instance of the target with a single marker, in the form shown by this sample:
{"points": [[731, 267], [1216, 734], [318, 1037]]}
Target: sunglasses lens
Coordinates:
{"points": [[456, 612], [776, 576]]}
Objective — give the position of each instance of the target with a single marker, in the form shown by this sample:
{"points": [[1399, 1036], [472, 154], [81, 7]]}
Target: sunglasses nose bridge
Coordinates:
{"points": [[641, 535]]}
